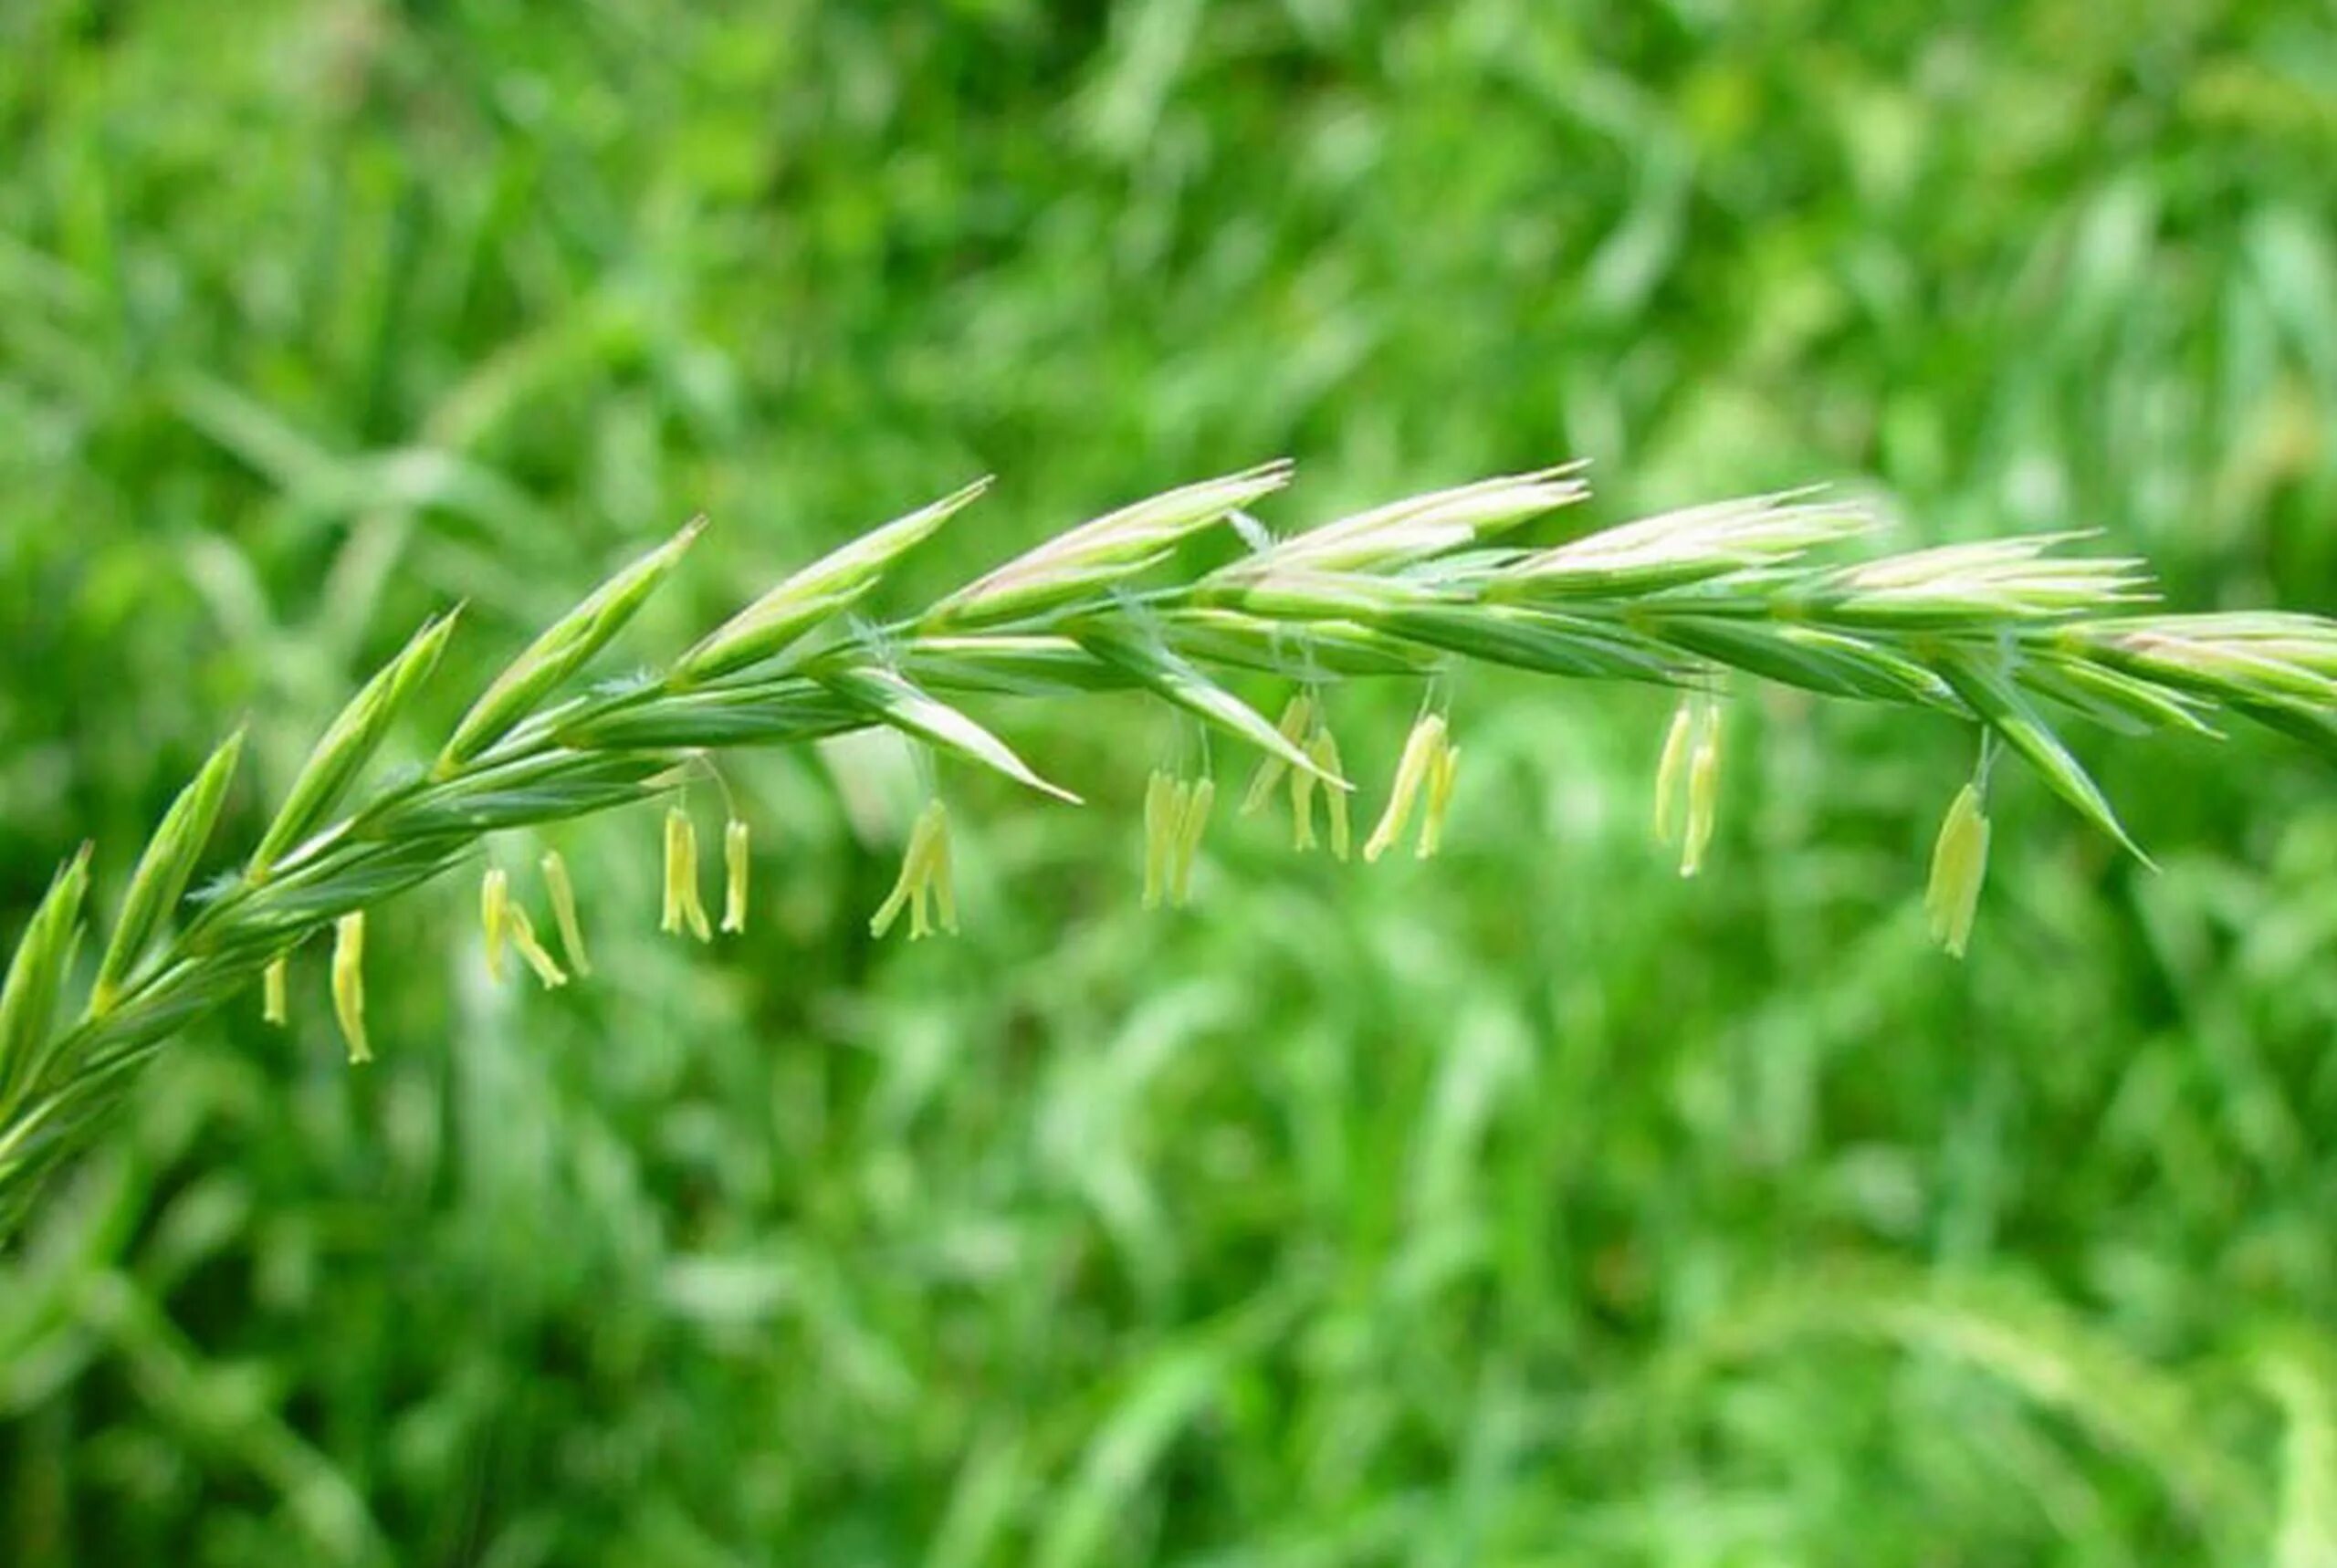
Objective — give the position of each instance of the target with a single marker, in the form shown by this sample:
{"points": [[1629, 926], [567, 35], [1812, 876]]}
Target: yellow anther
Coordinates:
{"points": [[523, 938], [1297, 718], [563, 912], [682, 909], [735, 859], [1302, 809], [1670, 773], [1325, 751], [1422, 748], [1959, 866], [927, 878], [274, 1003], [1193, 823], [494, 917], [348, 983], [1162, 810], [1440, 799], [1704, 791], [941, 871]]}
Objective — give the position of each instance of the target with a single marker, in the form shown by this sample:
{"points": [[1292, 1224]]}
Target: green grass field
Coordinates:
{"points": [[1532, 1207]]}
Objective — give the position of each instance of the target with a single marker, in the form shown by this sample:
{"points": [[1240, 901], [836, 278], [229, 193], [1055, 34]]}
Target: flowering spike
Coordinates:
{"points": [[1297, 718], [275, 1005], [682, 909], [1200, 798], [1440, 799], [1422, 748], [1325, 753], [494, 917], [1704, 791], [349, 984], [1959, 865], [735, 859], [523, 938], [563, 912], [1671, 773], [1160, 815]]}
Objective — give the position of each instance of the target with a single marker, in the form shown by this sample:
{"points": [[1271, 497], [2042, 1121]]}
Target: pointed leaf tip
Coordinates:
{"points": [[892, 700], [563, 648], [819, 593]]}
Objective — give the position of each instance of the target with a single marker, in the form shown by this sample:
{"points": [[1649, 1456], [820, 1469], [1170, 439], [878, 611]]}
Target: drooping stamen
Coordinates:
{"points": [[1297, 718], [683, 910], [494, 917], [1959, 866], [563, 912], [735, 860], [1422, 748], [1325, 750], [1703, 790], [925, 874], [523, 938], [941, 871], [1670, 773], [1194, 822], [1440, 799], [1301, 809], [1161, 811], [349, 984], [275, 1005]]}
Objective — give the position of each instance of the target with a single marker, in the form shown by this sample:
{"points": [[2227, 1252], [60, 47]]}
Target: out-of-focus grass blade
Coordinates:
{"points": [[819, 593], [349, 742], [892, 700], [160, 878], [2306, 1534], [562, 650], [1123, 647], [1992, 695]]}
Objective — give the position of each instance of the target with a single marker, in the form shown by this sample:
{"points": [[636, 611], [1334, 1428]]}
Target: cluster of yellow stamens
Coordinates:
{"points": [[506, 923], [1302, 726], [1689, 776], [1176, 814], [1424, 778], [926, 888]]}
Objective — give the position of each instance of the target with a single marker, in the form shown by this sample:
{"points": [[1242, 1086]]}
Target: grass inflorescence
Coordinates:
{"points": [[2014, 636]]}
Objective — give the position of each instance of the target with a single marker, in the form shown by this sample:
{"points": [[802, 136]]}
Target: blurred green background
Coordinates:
{"points": [[1529, 1207]]}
